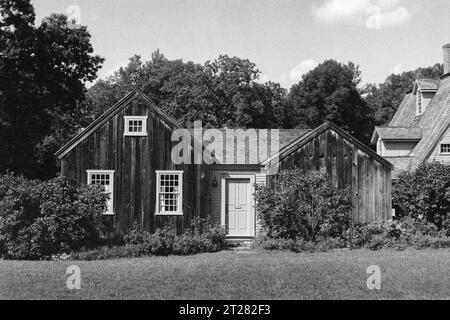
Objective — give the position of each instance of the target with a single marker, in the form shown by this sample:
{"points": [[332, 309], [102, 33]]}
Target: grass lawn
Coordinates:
{"points": [[230, 275]]}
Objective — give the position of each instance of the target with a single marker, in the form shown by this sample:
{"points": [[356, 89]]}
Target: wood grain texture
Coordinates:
{"points": [[368, 180], [134, 160]]}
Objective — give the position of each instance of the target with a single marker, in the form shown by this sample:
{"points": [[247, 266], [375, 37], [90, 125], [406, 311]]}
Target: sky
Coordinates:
{"points": [[284, 38]]}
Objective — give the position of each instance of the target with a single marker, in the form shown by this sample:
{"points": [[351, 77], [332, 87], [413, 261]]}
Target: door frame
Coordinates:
{"points": [[251, 199]]}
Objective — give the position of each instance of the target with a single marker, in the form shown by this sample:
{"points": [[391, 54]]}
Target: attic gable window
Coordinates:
{"points": [[169, 192], [135, 126], [445, 148]]}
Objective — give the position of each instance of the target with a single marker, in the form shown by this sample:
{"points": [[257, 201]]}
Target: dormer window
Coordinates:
{"points": [[135, 126]]}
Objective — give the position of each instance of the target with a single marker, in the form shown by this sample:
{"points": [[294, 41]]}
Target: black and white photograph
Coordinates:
{"points": [[223, 155]]}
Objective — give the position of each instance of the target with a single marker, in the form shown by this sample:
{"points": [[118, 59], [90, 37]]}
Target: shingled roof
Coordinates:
{"points": [[435, 122], [406, 113], [274, 141], [400, 164], [428, 84], [397, 133]]}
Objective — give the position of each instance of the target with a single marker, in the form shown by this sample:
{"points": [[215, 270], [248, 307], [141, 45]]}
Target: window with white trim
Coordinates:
{"points": [[104, 178], [445, 148], [169, 192], [135, 126]]}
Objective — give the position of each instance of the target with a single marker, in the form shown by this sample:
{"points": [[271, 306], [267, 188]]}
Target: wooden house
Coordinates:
{"points": [[130, 151]]}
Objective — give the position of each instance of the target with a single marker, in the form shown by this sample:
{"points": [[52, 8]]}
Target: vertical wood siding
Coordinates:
{"points": [[349, 167], [135, 160]]}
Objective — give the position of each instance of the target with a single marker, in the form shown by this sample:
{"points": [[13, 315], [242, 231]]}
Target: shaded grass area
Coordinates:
{"points": [[341, 274]]}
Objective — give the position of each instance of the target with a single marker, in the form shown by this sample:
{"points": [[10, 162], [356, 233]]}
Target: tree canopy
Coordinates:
{"points": [[330, 93], [385, 98], [43, 74], [220, 93]]}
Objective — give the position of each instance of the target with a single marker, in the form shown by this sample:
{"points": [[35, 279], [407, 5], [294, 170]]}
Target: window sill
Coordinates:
{"points": [[169, 214], [108, 213], [135, 135]]}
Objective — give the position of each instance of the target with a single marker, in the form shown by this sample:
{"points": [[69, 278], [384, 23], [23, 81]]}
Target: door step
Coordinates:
{"points": [[239, 244]]}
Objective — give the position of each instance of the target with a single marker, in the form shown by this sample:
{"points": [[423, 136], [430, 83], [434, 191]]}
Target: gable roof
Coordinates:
{"points": [[100, 121], [397, 133], [406, 113], [300, 142], [435, 122]]}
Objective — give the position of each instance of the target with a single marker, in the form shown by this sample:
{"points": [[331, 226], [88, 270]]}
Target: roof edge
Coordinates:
{"points": [[314, 133], [134, 94]]}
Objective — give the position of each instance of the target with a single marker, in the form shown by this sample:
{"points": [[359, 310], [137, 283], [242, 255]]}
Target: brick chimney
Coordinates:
{"points": [[447, 59]]}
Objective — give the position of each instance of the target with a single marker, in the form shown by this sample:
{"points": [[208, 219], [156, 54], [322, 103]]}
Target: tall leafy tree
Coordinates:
{"points": [[385, 98], [221, 93], [330, 93], [43, 74]]}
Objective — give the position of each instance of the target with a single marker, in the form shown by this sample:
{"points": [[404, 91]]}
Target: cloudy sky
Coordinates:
{"points": [[285, 38]]}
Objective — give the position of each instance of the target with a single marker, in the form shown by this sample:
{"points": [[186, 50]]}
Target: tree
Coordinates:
{"points": [[222, 93], [43, 74], [385, 98], [330, 93]]}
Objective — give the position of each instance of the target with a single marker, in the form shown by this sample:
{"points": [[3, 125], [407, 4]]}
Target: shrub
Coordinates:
{"points": [[424, 194], [303, 205], [202, 236], [116, 252], [40, 219]]}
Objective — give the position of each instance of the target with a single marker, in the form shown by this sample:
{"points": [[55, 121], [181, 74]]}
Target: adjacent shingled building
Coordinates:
{"points": [[420, 130]]}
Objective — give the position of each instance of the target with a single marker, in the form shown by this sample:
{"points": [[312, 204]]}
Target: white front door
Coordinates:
{"points": [[239, 211]]}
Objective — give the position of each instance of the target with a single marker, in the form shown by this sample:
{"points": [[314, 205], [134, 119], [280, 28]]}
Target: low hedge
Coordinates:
{"points": [[401, 234], [202, 237]]}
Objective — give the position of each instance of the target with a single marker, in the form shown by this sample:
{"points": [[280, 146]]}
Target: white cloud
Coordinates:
{"points": [[398, 69], [295, 75], [375, 14], [292, 77]]}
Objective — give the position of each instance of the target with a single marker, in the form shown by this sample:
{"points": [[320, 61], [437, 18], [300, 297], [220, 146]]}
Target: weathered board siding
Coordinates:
{"points": [[349, 167], [135, 160]]}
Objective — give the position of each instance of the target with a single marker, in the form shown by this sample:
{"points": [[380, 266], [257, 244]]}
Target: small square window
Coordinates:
{"points": [[445, 148], [135, 126]]}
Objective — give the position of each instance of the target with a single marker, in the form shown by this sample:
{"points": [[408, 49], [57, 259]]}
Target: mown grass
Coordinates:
{"points": [[342, 274]]}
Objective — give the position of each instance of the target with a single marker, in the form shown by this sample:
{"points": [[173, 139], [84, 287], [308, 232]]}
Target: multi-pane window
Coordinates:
{"points": [[445, 148], [169, 192], [104, 178], [135, 125]]}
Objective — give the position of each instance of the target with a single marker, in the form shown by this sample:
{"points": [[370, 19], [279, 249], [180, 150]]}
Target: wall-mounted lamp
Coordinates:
{"points": [[214, 183]]}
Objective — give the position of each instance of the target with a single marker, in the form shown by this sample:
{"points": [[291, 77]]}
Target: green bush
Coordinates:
{"points": [[424, 195], [202, 236], [303, 205], [41, 219], [115, 252]]}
